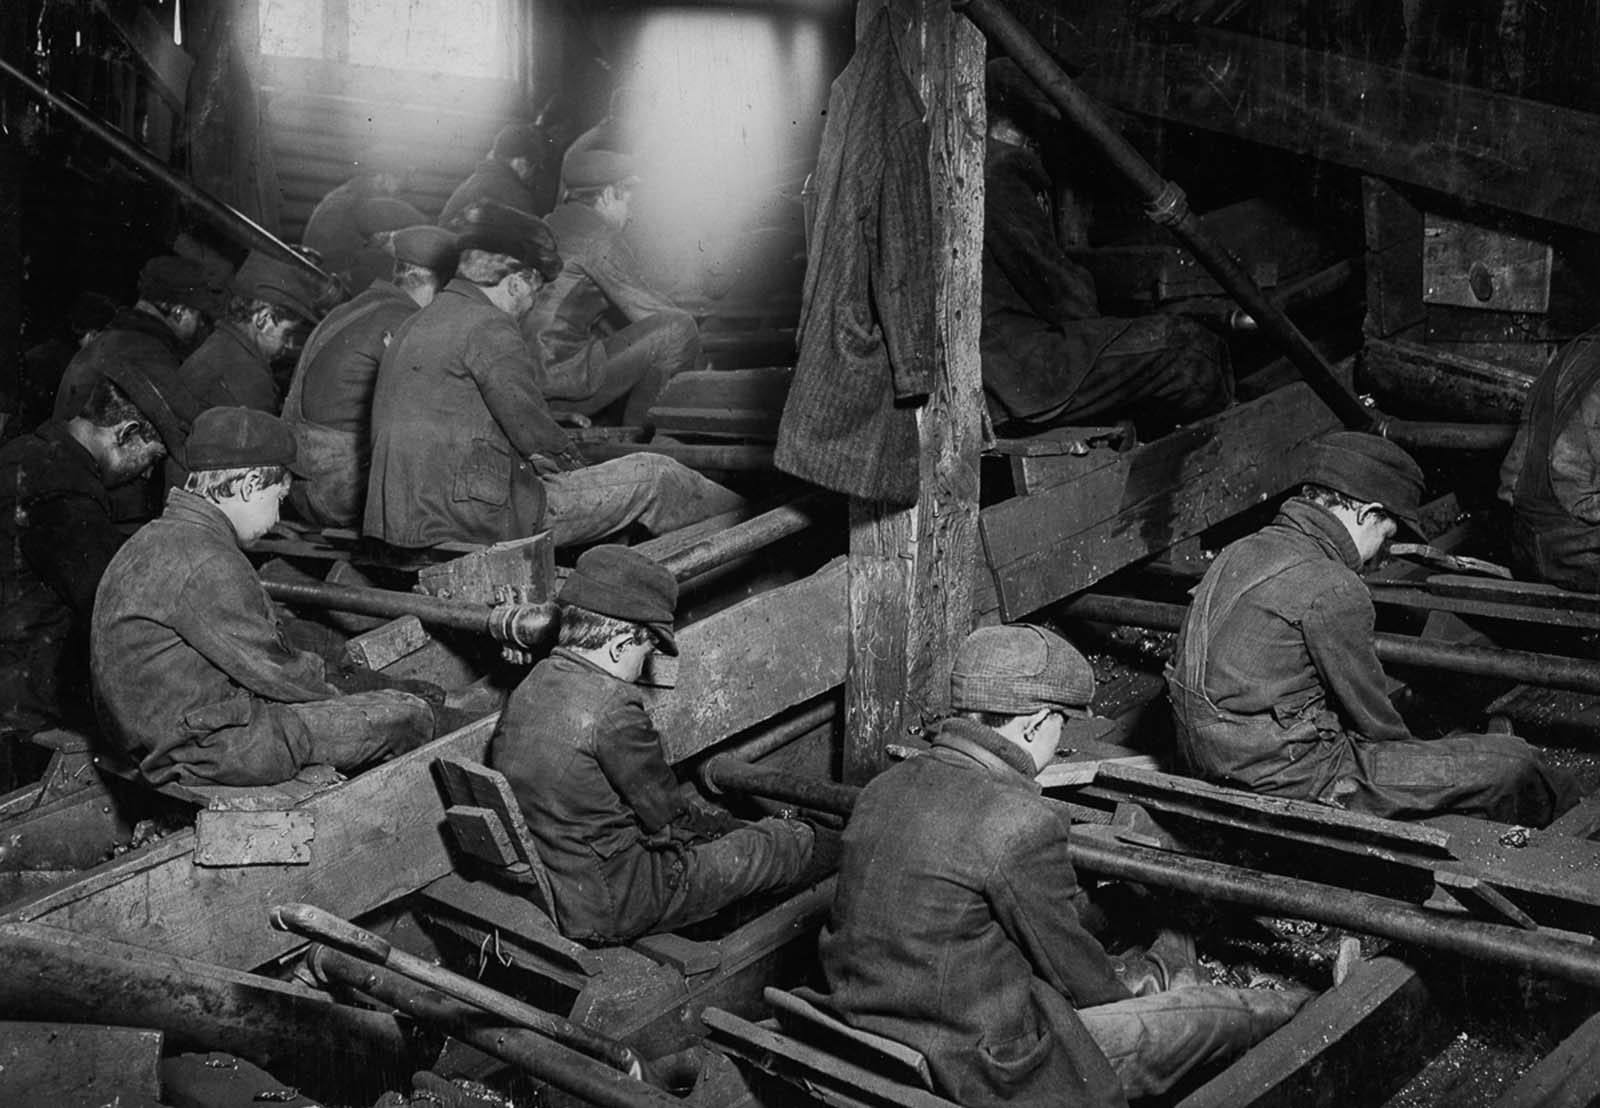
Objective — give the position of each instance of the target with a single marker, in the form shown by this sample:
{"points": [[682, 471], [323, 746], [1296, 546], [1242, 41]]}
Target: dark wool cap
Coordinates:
{"points": [[595, 169], [1371, 469], [377, 214], [619, 582], [426, 245], [520, 140], [167, 279], [496, 228], [239, 438], [1016, 669], [272, 281], [162, 398]]}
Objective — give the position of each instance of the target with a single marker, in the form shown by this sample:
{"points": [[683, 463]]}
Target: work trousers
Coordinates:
{"points": [[1153, 1041], [656, 492], [249, 741], [1160, 371], [761, 857], [636, 362]]}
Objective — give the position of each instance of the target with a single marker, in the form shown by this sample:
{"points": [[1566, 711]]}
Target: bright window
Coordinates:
{"points": [[461, 38]]}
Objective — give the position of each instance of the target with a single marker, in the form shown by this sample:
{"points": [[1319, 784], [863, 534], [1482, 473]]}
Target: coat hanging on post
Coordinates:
{"points": [[867, 322]]}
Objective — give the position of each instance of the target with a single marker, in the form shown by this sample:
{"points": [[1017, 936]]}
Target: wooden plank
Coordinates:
{"points": [[747, 663], [1351, 1047], [1448, 386], [910, 590], [246, 838], [219, 1080], [1475, 145], [1043, 547], [521, 569], [383, 646], [162, 901], [1567, 1077], [58, 1063], [50, 974], [1393, 228]]}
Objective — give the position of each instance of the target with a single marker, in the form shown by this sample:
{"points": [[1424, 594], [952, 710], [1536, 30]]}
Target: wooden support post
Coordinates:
{"points": [[911, 571], [1393, 262]]}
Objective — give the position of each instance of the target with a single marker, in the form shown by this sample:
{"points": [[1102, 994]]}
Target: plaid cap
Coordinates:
{"points": [[619, 582], [1371, 469], [1016, 669], [497, 228]]}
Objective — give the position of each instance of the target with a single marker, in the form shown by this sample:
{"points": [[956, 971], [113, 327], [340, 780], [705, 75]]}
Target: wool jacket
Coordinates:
{"points": [[955, 928], [227, 370], [184, 638], [329, 404], [492, 179], [586, 765], [456, 417], [1551, 474], [867, 319], [56, 539]]}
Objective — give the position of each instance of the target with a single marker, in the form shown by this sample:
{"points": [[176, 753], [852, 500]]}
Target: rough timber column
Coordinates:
{"points": [[911, 571]]}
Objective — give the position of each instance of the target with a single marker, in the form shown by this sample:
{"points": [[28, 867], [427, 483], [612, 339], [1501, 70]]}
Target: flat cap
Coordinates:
{"points": [[377, 214], [497, 228], [595, 169], [426, 245], [168, 279], [1015, 669], [619, 582], [239, 438], [1369, 468], [161, 396], [273, 281]]}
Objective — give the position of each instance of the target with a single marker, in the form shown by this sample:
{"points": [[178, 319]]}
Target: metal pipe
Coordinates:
{"points": [[1423, 435], [732, 775], [1520, 949], [528, 626], [1544, 670], [744, 538], [1166, 204], [235, 224], [535, 1054], [315, 923], [767, 742]]}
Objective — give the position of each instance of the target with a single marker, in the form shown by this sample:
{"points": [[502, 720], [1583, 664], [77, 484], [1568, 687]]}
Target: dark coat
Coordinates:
{"points": [[867, 322], [56, 539], [1276, 687], [1042, 329], [456, 415], [955, 928], [330, 402], [587, 768], [492, 179], [228, 371], [185, 640]]}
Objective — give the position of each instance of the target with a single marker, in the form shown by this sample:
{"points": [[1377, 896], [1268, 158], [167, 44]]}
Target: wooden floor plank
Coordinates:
{"points": [[1567, 1077]]}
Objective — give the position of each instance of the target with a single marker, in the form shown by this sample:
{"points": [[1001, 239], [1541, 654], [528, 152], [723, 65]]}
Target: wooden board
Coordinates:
{"points": [[1475, 145], [1447, 386], [59, 1063], [1567, 1077], [745, 402], [378, 837], [1351, 1047], [749, 662], [1043, 547]]}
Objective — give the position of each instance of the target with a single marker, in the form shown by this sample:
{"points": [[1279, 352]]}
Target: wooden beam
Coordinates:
{"points": [[1408, 375], [1393, 231], [1043, 547], [747, 663], [1351, 1047], [910, 590], [1565, 1078], [1518, 155], [78, 1063]]}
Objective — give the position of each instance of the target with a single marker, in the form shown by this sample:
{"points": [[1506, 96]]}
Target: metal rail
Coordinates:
{"points": [[231, 222], [1545, 670], [1520, 949]]}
